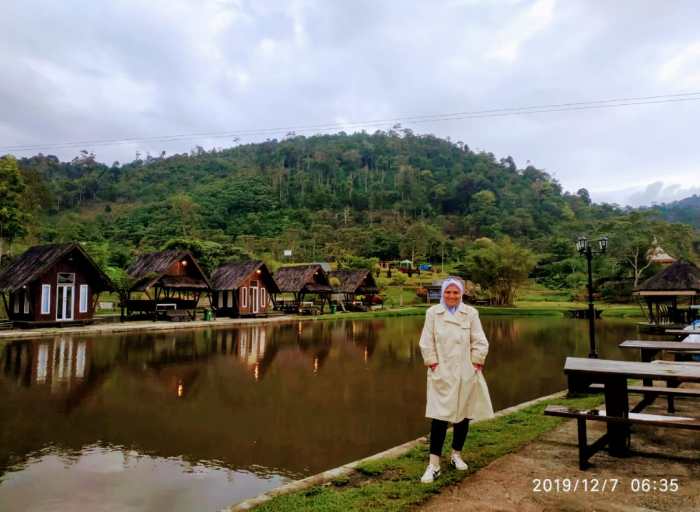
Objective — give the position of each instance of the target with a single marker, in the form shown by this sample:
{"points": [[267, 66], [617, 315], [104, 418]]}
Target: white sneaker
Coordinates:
{"points": [[431, 473], [457, 462]]}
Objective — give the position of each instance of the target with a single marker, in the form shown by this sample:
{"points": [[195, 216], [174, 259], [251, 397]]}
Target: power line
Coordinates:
{"points": [[415, 119]]}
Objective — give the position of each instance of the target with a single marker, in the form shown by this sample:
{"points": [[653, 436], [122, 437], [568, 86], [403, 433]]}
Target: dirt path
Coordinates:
{"points": [[508, 484]]}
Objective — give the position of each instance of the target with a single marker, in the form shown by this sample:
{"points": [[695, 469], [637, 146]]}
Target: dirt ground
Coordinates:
{"points": [[508, 484]]}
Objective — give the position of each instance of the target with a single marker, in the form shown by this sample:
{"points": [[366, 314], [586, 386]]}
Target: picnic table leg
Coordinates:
{"points": [[582, 444], [671, 404], [648, 357], [617, 404]]}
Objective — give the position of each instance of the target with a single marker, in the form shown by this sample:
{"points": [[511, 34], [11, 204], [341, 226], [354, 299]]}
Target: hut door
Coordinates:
{"points": [[254, 297], [65, 296]]}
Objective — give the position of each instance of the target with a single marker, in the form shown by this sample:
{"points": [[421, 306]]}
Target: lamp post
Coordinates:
{"points": [[583, 246]]}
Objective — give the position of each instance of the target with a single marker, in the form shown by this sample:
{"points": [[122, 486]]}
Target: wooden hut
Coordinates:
{"points": [[242, 289], [171, 280], [54, 284], [668, 295], [300, 282], [357, 288]]}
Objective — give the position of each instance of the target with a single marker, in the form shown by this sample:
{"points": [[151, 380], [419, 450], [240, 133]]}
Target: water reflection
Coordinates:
{"points": [[269, 402]]}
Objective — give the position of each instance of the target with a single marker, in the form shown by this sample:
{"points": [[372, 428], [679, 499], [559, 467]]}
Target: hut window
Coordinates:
{"points": [[221, 298], [45, 299], [83, 298], [66, 278], [26, 302], [262, 297], [244, 297], [15, 303]]}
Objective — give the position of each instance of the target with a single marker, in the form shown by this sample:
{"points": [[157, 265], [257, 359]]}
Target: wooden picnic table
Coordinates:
{"points": [[582, 372], [649, 348]]}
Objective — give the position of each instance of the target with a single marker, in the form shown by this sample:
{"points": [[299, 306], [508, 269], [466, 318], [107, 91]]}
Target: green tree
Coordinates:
{"points": [[12, 218], [500, 267]]}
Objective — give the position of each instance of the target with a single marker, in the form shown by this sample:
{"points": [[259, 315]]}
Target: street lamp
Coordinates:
{"points": [[583, 246]]}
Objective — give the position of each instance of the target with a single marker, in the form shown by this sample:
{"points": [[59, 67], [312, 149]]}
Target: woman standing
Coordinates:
{"points": [[454, 348]]}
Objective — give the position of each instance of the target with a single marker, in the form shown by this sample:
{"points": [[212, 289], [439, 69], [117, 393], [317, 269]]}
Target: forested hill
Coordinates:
{"points": [[337, 180], [386, 195], [686, 210]]}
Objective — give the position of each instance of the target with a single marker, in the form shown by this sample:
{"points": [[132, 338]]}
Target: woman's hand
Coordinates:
{"points": [[478, 367], [432, 367]]}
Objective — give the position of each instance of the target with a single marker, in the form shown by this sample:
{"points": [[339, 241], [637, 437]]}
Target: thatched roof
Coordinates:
{"points": [[231, 276], [148, 270], [681, 276], [359, 282], [302, 278], [37, 260]]}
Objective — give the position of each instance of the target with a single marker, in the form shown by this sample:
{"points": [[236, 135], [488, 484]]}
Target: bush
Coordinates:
{"points": [[617, 291]]}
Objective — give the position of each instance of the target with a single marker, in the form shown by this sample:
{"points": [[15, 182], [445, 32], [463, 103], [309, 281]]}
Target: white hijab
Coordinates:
{"points": [[448, 282]]}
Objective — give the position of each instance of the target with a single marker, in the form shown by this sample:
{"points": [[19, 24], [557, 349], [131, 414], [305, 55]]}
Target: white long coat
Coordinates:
{"points": [[455, 341]]}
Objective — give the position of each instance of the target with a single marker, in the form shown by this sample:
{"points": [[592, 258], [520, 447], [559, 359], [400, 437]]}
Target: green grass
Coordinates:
{"points": [[393, 484]]}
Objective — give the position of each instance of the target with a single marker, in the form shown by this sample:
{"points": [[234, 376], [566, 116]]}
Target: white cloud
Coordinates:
{"points": [[683, 69], [522, 28]]}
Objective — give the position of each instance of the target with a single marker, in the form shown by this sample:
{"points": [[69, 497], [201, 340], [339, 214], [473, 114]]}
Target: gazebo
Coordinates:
{"points": [[664, 294], [172, 282], [354, 283], [300, 281]]}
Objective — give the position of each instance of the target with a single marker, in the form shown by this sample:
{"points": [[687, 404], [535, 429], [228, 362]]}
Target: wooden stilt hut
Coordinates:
{"points": [[171, 280], [667, 296], [300, 282], [357, 288], [55, 284], [243, 289]]}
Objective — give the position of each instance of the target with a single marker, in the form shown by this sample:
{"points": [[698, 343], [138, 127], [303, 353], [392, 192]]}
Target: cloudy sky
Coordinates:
{"points": [[210, 70]]}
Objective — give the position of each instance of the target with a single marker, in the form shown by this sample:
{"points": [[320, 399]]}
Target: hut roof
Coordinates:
{"points": [[231, 276], [37, 260], [299, 278], [352, 281], [681, 276], [150, 268], [658, 255]]}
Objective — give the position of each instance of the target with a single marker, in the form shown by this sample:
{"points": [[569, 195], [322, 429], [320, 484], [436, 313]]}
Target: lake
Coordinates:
{"points": [[202, 419]]}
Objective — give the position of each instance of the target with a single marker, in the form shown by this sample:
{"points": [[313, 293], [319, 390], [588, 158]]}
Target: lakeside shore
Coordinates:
{"points": [[522, 309]]}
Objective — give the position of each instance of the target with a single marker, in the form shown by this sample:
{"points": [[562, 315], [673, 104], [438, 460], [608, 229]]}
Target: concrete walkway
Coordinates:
{"points": [[137, 326], [508, 484]]}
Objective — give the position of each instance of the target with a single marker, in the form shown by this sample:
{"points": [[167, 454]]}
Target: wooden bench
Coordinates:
{"points": [[586, 451], [177, 315], [651, 392]]}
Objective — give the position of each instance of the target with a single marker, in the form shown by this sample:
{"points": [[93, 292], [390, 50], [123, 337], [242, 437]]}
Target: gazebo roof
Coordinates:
{"points": [[150, 268], [679, 278], [297, 278], [354, 281]]}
